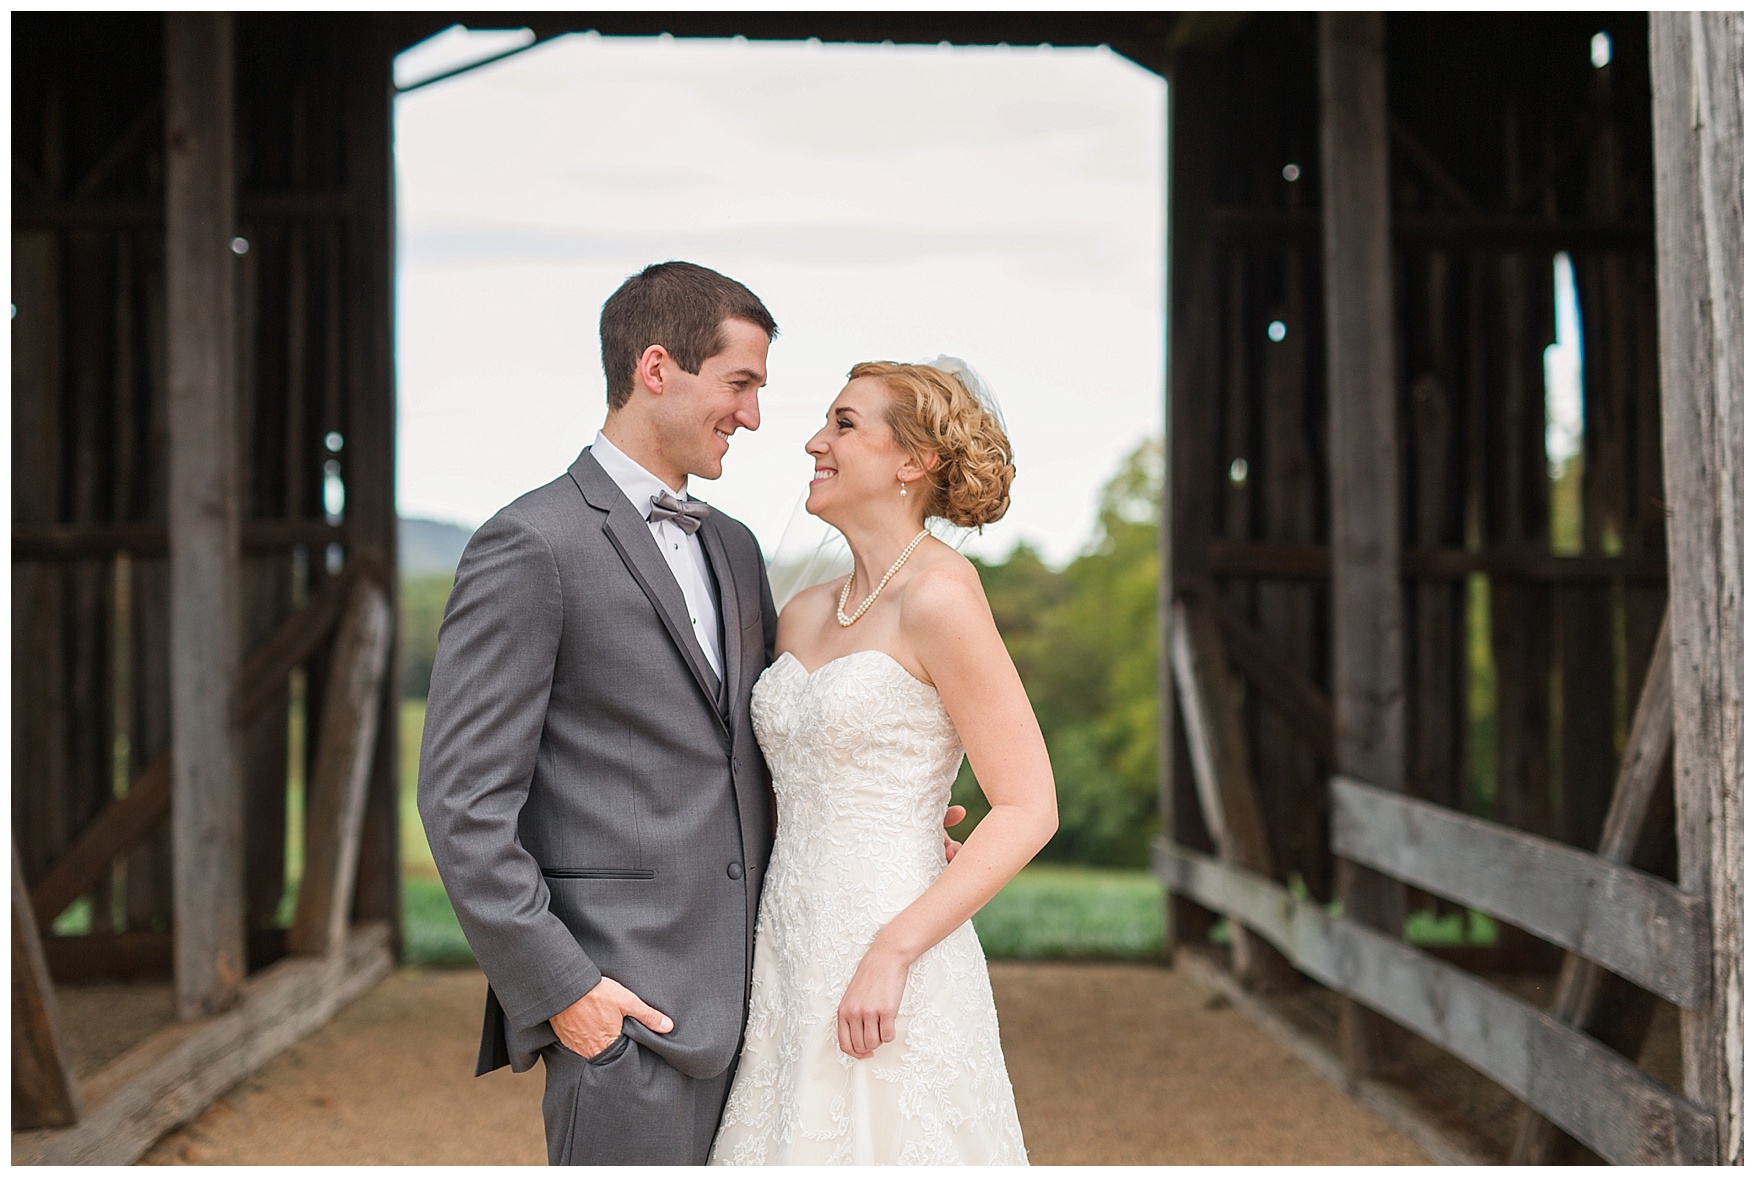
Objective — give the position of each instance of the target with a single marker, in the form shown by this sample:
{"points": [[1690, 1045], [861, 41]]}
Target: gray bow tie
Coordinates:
{"points": [[685, 513]]}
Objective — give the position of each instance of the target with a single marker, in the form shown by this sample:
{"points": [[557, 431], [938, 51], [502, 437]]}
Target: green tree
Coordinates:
{"points": [[422, 607], [1086, 646]]}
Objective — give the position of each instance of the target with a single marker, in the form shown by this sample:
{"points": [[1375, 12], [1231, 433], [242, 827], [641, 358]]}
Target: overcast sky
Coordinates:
{"points": [[1005, 205]]}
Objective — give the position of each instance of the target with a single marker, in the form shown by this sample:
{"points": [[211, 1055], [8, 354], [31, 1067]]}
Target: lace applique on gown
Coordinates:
{"points": [[863, 757]]}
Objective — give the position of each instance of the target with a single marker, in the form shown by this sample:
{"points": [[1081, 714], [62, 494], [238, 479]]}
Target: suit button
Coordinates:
{"points": [[735, 870], [735, 765]]}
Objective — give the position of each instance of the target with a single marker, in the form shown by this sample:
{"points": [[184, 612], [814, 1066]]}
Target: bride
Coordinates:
{"points": [[872, 1037]]}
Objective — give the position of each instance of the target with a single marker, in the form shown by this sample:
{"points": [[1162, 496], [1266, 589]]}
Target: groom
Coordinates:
{"points": [[589, 780]]}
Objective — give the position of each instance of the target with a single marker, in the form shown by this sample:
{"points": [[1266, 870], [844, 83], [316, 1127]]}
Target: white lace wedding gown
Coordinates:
{"points": [[863, 756]]}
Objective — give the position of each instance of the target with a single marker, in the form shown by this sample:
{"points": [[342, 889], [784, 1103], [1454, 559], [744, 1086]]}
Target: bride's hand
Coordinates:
{"points": [[867, 1017], [953, 816]]}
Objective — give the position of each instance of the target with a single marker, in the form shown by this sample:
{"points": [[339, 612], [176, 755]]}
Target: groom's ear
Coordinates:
{"points": [[649, 371]]}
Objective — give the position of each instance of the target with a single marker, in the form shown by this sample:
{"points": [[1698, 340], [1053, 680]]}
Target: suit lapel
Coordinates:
{"points": [[730, 618], [632, 539]]}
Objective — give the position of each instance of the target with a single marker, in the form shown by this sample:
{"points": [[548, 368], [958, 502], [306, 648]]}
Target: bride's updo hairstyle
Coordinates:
{"points": [[931, 414]]}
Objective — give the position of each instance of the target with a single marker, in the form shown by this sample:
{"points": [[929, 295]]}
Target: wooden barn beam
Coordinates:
{"points": [[39, 734], [129, 955], [176, 1073], [1233, 223], [135, 141], [1281, 682], [290, 646], [1697, 136], [127, 212], [44, 1091], [1219, 751], [260, 537], [1191, 361], [206, 762], [1644, 928], [1423, 159], [1364, 488], [1291, 760], [371, 434], [1308, 561], [341, 772], [117, 827], [1586, 995], [1169, 737]]}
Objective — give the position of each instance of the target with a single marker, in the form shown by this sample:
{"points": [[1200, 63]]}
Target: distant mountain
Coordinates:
{"points": [[426, 546]]}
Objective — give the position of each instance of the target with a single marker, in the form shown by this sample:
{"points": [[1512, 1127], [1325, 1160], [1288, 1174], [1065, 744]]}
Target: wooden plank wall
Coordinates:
{"points": [[92, 648], [1506, 147], [87, 398]]}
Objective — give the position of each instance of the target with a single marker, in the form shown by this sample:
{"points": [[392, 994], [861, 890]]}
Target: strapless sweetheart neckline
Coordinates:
{"points": [[884, 654]]}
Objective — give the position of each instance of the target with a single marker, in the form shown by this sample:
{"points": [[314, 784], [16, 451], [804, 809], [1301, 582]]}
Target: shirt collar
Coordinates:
{"points": [[638, 483]]}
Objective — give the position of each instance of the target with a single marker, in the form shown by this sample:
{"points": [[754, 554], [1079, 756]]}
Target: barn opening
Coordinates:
{"points": [[1003, 203]]}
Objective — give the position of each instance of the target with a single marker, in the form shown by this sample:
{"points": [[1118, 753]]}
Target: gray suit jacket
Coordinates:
{"points": [[594, 796]]}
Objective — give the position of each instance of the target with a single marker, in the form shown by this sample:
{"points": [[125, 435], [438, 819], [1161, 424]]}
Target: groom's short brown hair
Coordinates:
{"points": [[679, 306]]}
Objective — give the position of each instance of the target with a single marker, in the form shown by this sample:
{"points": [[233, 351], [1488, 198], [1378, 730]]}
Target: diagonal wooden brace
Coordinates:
{"points": [[1585, 989], [341, 773], [1219, 754], [44, 1091]]}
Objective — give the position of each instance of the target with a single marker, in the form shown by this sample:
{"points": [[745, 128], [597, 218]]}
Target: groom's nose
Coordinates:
{"points": [[749, 415]]}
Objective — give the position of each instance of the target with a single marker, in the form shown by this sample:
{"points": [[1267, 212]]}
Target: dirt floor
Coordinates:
{"points": [[1112, 1064]]}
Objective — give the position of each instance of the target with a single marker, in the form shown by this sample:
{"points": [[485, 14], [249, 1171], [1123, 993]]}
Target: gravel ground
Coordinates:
{"points": [[1112, 1064]]}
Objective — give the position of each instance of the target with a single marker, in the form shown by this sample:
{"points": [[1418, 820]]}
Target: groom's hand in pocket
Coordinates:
{"points": [[590, 1025], [953, 817]]}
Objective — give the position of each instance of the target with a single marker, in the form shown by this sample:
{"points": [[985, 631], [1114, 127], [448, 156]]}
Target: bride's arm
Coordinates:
{"points": [[948, 626]]}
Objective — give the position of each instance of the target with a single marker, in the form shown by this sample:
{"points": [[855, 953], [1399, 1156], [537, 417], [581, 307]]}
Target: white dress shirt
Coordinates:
{"points": [[682, 551]]}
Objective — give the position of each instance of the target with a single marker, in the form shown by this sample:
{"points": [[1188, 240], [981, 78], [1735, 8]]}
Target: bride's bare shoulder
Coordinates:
{"points": [[945, 591], [807, 606], [817, 596]]}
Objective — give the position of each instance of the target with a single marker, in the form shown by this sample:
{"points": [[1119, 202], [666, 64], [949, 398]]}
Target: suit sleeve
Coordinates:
{"points": [[486, 710]]}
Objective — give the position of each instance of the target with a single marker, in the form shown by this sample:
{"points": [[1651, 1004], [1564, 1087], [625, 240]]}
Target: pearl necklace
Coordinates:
{"points": [[841, 606]]}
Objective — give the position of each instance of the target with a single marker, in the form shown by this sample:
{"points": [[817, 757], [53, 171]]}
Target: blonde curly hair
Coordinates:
{"points": [[932, 414]]}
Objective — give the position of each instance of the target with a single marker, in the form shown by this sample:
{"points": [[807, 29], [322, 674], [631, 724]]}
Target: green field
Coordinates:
{"points": [[1053, 911], [1048, 911]]}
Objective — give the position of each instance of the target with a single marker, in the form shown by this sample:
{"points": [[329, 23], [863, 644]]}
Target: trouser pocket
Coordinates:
{"points": [[627, 1106], [611, 1052]]}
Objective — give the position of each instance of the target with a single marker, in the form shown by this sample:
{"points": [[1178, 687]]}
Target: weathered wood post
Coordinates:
{"points": [[206, 757], [1191, 374], [1365, 534], [369, 458], [1167, 503], [1697, 133]]}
